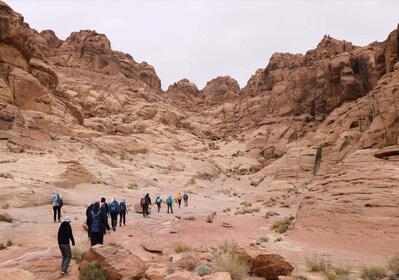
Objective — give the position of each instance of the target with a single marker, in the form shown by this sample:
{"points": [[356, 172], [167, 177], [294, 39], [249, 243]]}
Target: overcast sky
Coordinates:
{"points": [[200, 40]]}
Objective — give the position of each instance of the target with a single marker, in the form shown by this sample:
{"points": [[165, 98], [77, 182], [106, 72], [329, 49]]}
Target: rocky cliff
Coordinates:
{"points": [[320, 130]]}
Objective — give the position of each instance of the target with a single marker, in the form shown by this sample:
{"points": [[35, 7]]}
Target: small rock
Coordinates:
{"points": [[225, 224], [211, 217]]}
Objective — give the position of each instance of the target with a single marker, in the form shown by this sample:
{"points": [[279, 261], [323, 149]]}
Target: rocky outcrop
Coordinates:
{"points": [[221, 89], [183, 86], [264, 264], [119, 263], [16, 43]]}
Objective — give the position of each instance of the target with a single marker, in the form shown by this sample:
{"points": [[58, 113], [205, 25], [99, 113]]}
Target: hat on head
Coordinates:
{"points": [[67, 219]]}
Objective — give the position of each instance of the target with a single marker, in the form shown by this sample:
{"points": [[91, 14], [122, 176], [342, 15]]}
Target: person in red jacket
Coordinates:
{"points": [[64, 235]]}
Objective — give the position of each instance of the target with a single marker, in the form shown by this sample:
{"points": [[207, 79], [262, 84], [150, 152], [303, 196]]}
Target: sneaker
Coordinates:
{"points": [[64, 273], [120, 225], [114, 229]]}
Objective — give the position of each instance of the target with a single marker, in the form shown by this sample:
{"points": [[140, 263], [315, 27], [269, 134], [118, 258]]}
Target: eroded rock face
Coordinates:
{"points": [[183, 86], [264, 264], [221, 89], [16, 43], [120, 263]]}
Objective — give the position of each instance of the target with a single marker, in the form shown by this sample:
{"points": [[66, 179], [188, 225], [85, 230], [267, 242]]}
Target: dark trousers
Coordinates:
{"points": [[66, 256], [97, 238], [179, 201], [185, 202], [170, 206], [122, 218], [159, 206], [114, 219], [57, 209], [145, 210]]}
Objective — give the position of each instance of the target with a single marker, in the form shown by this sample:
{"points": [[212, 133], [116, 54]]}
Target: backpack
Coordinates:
{"points": [[60, 202], [143, 201], [123, 206], [95, 221], [158, 200], [185, 196], [114, 207], [169, 200]]}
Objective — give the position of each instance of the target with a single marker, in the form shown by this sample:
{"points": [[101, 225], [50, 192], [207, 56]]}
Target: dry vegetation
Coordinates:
{"points": [[227, 258], [282, 226]]}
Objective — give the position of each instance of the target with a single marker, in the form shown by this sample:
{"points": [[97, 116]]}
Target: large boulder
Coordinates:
{"points": [[264, 264], [119, 262]]}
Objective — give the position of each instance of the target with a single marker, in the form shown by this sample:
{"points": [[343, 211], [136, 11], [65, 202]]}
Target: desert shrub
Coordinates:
{"points": [[282, 226], [2, 247], [203, 270], [9, 243], [77, 254], [227, 259], [331, 275], [179, 248], [170, 270], [316, 264], [94, 271], [393, 264], [342, 271], [373, 272]]}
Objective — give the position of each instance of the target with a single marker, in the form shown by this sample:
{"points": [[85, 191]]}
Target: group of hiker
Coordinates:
{"points": [[97, 214], [145, 202]]}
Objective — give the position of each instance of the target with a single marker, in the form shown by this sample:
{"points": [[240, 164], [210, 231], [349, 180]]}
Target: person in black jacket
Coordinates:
{"points": [[64, 235], [98, 222], [147, 204]]}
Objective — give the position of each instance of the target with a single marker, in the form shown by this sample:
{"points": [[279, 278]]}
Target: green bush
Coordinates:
{"points": [[373, 272], [94, 271], [227, 259]]}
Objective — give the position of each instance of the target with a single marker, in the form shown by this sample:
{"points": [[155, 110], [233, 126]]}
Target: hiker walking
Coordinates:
{"points": [[64, 235], [88, 210], [57, 202], [122, 212], [147, 203], [98, 223], [179, 198], [105, 209], [185, 199], [169, 202], [114, 211], [158, 201]]}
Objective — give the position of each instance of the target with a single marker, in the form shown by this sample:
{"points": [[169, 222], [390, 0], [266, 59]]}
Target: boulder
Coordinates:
{"points": [[119, 262], [211, 217], [188, 263], [153, 246], [5, 217], [264, 264]]}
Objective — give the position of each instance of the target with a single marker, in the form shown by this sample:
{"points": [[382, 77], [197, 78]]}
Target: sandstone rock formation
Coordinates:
{"points": [[119, 263], [312, 135], [266, 265]]}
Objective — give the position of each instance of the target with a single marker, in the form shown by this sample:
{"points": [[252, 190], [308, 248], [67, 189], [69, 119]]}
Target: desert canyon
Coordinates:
{"points": [[314, 137]]}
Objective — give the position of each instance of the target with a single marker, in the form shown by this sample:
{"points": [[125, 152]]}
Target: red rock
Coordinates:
{"points": [[119, 262]]}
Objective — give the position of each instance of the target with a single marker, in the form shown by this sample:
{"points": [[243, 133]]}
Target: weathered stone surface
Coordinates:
{"points": [[153, 246], [5, 217], [211, 217], [218, 276], [119, 262], [16, 274], [265, 264]]}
